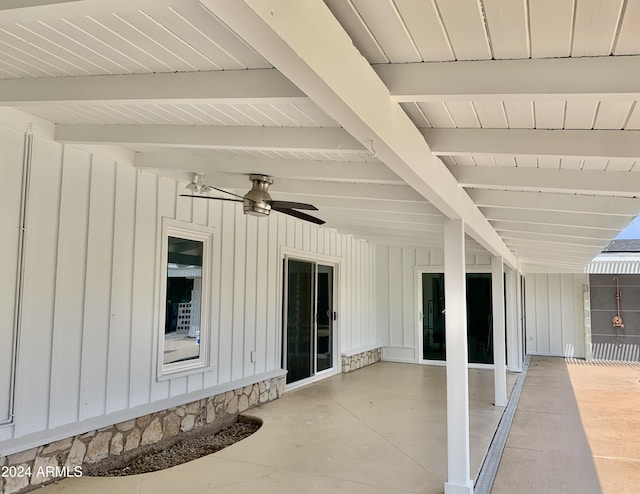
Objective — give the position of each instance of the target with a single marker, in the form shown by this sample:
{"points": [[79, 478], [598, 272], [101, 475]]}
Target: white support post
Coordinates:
{"points": [[459, 478], [514, 354], [499, 348], [520, 314]]}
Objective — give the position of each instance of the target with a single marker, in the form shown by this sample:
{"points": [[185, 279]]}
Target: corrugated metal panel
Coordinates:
{"points": [[614, 267]]}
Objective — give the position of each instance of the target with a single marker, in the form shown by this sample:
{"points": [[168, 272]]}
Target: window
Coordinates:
{"points": [[185, 281]]}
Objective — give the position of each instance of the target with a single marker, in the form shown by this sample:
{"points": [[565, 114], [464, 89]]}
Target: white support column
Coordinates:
{"points": [[499, 348], [458, 478], [520, 314]]}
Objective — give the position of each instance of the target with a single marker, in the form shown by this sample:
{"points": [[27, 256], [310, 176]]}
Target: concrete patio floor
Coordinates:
{"points": [[380, 430], [576, 430]]}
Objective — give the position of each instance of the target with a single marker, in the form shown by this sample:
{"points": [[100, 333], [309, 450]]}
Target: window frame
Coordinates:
{"points": [[199, 233]]}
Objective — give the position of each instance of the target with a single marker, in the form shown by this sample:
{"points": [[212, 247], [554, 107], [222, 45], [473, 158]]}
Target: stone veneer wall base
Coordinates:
{"points": [[133, 437], [360, 360]]}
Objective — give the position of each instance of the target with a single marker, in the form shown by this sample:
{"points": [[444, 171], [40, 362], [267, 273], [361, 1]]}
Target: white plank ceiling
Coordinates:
{"points": [[531, 105]]}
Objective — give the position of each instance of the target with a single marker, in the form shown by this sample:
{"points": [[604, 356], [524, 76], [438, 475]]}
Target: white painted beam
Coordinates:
{"points": [[579, 232], [565, 239], [552, 218], [545, 239], [373, 219], [534, 248], [626, 184], [499, 348], [555, 79], [544, 266], [216, 87], [607, 144], [545, 201], [211, 137], [338, 171], [458, 462], [374, 226], [308, 45]]}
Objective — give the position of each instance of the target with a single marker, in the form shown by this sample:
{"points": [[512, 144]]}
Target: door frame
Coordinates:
{"points": [[287, 253], [418, 315]]}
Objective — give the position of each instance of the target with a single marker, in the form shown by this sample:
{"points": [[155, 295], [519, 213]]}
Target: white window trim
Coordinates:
{"points": [[189, 231]]}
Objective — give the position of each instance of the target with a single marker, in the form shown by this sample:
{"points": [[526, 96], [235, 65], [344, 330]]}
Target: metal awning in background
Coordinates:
{"points": [[619, 264]]}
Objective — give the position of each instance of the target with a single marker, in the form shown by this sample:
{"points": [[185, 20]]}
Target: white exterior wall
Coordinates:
{"points": [[554, 314], [88, 341], [396, 295]]}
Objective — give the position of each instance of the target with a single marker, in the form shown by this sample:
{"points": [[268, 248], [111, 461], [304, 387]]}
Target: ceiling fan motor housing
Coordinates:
{"points": [[256, 201]]}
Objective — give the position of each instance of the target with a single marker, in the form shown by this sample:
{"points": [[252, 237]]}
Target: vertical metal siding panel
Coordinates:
{"points": [[347, 333], [144, 271], [262, 287], [167, 195], [34, 359], [291, 237], [97, 314], [322, 236], [214, 217], [313, 238], [542, 313], [274, 265], [278, 281], [118, 381], [422, 257], [184, 206], [395, 296], [408, 297], [382, 294], [298, 226], [200, 211], [12, 146], [237, 355], [306, 236], [251, 294], [567, 315], [70, 287], [531, 335], [555, 314], [227, 234]]}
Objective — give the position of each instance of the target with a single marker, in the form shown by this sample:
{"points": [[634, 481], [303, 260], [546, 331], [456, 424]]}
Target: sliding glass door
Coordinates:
{"points": [[479, 317], [308, 319]]}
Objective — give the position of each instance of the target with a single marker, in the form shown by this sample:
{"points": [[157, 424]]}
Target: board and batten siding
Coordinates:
{"points": [[397, 296], [554, 314], [12, 149], [88, 339]]}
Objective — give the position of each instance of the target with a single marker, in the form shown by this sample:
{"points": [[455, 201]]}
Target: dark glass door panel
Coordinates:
{"points": [[300, 295], [433, 335], [479, 318], [324, 308]]}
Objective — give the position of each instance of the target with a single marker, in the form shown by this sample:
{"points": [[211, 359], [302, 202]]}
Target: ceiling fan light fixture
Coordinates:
{"points": [[257, 202]]}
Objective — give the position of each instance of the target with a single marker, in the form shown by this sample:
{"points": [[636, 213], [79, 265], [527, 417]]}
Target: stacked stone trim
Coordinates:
{"points": [[131, 438], [359, 360]]}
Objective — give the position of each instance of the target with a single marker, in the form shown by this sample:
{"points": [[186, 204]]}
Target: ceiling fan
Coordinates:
{"points": [[257, 202]]}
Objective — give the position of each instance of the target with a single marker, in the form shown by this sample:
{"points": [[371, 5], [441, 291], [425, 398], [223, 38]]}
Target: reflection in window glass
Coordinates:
{"points": [[183, 300]]}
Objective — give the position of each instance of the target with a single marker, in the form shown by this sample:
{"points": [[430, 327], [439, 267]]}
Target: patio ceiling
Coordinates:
{"points": [[530, 107]]}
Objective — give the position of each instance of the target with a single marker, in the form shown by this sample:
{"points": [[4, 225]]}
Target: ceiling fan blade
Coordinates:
{"points": [[226, 192], [292, 205], [299, 215], [214, 198]]}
